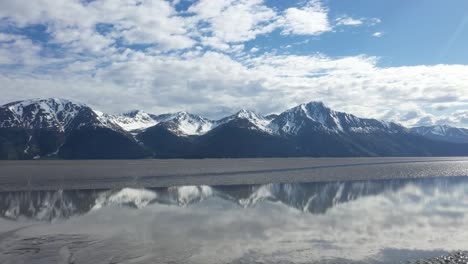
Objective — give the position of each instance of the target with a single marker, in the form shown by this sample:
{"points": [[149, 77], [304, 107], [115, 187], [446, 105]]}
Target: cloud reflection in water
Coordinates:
{"points": [[372, 221]]}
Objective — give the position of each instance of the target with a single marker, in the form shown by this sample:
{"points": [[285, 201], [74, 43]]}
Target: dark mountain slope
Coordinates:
{"points": [[165, 144], [234, 140], [100, 143]]}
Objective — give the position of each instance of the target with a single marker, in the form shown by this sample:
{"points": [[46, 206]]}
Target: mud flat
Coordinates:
{"points": [[111, 174]]}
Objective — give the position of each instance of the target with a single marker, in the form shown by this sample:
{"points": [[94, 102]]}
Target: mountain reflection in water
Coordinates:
{"points": [[335, 222]]}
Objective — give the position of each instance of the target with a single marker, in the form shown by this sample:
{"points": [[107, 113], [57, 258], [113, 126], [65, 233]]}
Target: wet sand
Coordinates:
{"points": [[112, 174]]}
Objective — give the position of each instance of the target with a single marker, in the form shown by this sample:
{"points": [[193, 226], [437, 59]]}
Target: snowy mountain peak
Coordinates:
{"points": [[186, 124], [311, 114], [443, 129], [51, 113], [185, 115], [54, 104], [317, 116], [316, 104], [134, 120], [244, 113], [249, 119], [244, 110], [50, 101], [318, 112], [443, 132], [181, 123]]}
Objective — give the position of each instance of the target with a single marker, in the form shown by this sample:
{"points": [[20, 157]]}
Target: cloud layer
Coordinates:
{"points": [[203, 57]]}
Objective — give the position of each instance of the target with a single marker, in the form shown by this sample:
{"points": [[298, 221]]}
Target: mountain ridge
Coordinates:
{"points": [[60, 128], [443, 132]]}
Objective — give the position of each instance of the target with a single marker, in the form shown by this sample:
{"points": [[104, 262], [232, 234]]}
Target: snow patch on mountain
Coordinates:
{"points": [[316, 115], [185, 124], [180, 123], [316, 112], [52, 113], [440, 130], [105, 120], [443, 132], [134, 120], [257, 121]]}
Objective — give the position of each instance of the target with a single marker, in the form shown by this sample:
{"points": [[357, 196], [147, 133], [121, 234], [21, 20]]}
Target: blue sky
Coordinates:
{"points": [[416, 32], [404, 61]]}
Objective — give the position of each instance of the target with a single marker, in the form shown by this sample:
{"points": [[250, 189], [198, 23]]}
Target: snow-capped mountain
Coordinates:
{"points": [[180, 123], [443, 132], [186, 124], [313, 115], [316, 116], [52, 113], [61, 128], [134, 120], [248, 119]]}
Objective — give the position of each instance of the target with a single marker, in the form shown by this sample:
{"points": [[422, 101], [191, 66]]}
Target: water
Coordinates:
{"points": [[379, 221]]}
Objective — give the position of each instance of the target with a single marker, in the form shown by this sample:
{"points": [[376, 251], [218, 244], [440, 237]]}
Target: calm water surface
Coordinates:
{"points": [[386, 221]]}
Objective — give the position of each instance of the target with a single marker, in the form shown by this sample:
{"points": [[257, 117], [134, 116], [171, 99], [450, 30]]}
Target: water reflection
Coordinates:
{"points": [[314, 198], [337, 222]]}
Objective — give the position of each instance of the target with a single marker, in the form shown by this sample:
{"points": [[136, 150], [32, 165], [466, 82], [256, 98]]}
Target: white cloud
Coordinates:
{"points": [[21, 51], [348, 21], [309, 20], [455, 118], [207, 82], [460, 116], [16, 49], [73, 23], [215, 43], [378, 34], [229, 21], [213, 23]]}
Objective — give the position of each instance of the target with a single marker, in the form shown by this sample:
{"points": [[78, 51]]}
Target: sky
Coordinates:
{"points": [[399, 60]]}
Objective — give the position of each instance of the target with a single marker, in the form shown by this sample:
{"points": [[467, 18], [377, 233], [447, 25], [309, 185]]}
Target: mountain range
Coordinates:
{"points": [[59, 128]]}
